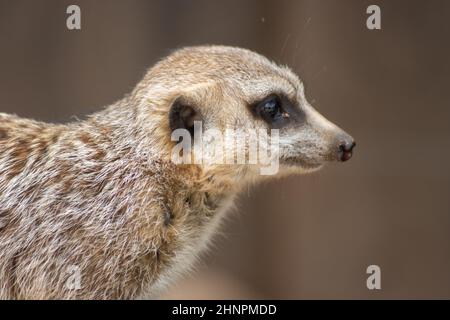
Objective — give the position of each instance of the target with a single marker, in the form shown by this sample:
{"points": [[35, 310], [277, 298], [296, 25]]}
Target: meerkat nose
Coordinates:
{"points": [[346, 149]]}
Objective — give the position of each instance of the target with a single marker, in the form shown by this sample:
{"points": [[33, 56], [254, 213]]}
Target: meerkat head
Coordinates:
{"points": [[219, 89]]}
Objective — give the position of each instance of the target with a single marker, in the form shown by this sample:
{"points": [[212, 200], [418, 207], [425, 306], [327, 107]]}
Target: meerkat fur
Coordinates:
{"points": [[102, 195]]}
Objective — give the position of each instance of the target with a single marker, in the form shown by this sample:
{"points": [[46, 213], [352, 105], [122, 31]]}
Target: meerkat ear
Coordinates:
{"points": [[182, 116]]}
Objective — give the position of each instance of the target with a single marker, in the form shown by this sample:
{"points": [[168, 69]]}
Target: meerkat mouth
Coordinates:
{"points": [[297, 162]]}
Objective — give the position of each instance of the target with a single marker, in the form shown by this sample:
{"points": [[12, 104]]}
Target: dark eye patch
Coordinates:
{"points": [[277, 111]]}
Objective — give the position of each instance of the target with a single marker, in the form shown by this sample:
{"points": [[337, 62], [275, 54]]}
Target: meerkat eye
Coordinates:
{"points": [[270, 108]]}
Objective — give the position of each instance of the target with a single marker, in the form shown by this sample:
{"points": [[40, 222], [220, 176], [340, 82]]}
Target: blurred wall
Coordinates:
{"points": [[302, 237]]}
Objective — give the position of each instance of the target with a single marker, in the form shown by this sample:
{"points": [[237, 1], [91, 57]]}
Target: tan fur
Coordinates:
{"points": [[103, 195]]}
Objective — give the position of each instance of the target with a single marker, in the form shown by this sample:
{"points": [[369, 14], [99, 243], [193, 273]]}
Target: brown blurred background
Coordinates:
{"points": [[303, 237]]}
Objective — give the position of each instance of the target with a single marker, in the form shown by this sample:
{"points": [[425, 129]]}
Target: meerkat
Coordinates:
{"points": [[102, 197]]}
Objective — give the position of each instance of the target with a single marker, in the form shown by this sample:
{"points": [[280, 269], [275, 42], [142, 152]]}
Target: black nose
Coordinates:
{"points": [[346, 150]]}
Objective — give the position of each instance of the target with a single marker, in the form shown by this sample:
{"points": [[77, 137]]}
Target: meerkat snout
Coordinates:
{"points": [[346, 149]]}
